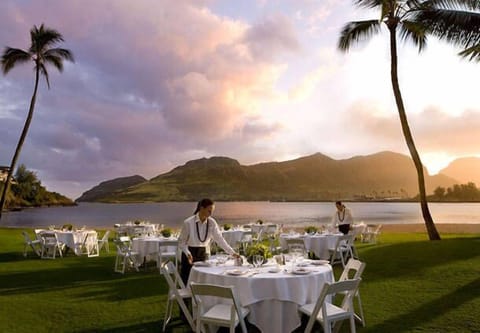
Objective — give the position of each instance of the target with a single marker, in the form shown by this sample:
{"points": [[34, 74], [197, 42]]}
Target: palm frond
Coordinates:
{"points": [[56, 57], [454, 4], [44, 72], [472, 52], [11, 57], [456, 27], [415, 32], [355, 32], [368, 3], [42, 38]]}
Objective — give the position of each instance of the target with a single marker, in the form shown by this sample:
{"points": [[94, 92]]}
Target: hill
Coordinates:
{"points": [[109, 187], [311, 178], [465, 170]]}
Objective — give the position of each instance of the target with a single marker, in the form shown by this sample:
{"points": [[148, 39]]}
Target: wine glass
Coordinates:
{"points": [[257, 260]]}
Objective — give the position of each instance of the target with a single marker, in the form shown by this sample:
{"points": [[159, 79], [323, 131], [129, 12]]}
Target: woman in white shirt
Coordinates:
{"points": [[342, 218], [197, 232]]}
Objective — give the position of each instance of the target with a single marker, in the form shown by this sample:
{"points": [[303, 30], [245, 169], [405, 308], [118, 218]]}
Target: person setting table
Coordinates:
{"points": [[342, 218], [197, 232]]}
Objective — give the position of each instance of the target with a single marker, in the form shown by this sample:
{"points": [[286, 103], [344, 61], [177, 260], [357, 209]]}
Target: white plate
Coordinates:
{"points": [[201, 264], [236, 272], [303, 263], [274, 270], [301, 271], [320, 262]]}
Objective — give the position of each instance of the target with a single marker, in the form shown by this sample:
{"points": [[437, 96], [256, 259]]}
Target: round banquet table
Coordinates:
{"points": [[148, 247], [273, 298], [318, 243], [233, 236]]}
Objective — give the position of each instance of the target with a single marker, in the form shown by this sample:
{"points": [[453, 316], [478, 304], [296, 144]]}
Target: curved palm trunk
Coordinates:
{"points": [[427, 217], [6, 186]]}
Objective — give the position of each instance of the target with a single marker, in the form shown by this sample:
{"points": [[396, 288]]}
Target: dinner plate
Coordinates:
{"points": [[303, 263], [236, 272], [320, 262], [201, 264], [274, 270], [301, 271]]}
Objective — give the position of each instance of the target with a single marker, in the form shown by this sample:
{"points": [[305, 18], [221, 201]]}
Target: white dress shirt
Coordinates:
{"points": [[188, 235], [342, 217]]}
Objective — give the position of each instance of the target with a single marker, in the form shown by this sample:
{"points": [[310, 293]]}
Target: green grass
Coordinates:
{"points": [[410, 285]]}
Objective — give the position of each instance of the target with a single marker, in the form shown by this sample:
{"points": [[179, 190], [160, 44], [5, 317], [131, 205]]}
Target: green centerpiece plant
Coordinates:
{"points": [[167, 232], [311, 229], [227, 226], [257, 249]]}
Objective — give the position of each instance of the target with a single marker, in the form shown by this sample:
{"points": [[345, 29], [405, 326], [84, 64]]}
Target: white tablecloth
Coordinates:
{"points": [[148, 247], [264, 228], [132, 229], [273, 298], [74, 239], [318, 244], [233, 236]]}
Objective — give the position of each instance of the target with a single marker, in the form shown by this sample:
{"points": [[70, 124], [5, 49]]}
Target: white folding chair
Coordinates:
{"points": [[35, 244], [165, 252], [370, 234], [354, 270], [247, 239], [176, 292], [50, 245], [328, 313], [342, 250], [220, 314], [125, 256], [91, 244], [103, 243]]}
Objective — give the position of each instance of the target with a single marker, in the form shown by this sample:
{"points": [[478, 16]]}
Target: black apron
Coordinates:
{"points": [[199, 253]]}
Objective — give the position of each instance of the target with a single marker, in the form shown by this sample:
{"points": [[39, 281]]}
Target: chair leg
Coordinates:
{"points": [[168, 314], [360, 318], [352, 324]]}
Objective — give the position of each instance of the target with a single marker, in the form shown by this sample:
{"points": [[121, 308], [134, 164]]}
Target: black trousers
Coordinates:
{"points": [[198, 254], [344, 228]]}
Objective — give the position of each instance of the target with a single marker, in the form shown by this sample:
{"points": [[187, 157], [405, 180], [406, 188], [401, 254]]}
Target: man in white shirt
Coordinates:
{"points": [[195, 237], [342, 218]]}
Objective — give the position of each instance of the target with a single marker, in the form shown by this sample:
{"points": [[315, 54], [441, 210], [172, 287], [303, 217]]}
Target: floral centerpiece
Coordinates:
{"points": [[311, 229], [167, 232], [227, 226], [67, 226], [257, 249], [259, 221], [137, 222]]}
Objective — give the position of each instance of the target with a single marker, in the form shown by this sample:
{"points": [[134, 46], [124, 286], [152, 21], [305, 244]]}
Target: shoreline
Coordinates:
{"points": [[446, 228]]}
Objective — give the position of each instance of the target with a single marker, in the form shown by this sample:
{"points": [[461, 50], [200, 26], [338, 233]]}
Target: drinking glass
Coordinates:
{"points": [[257, 260]]}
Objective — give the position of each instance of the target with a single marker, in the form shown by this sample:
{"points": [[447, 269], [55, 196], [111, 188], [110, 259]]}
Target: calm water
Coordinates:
{"points": [[299, 213]]}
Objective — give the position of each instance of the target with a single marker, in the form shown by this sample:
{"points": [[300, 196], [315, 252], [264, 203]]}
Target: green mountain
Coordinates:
{"points": [[312, 178], [110, 187]]}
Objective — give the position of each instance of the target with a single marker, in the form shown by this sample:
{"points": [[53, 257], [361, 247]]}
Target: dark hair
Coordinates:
{"points": [[204, 203], [338, 203]]}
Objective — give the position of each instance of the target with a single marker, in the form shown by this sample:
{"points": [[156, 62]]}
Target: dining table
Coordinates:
{"points": [[273, 293], [74, 239], [233, 236], [148, 247], [319, 244]]}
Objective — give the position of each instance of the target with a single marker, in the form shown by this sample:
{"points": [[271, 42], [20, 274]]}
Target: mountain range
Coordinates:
{"points": [[384, 175]]}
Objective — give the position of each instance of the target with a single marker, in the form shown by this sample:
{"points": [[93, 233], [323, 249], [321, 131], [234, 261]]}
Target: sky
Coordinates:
{"points": [[157, 83]]}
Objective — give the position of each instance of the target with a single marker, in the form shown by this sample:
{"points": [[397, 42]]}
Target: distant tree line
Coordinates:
{"points": [[27, 191], [458, 192]]}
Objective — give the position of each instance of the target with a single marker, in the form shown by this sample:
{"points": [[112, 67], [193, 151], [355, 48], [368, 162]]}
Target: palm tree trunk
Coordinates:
{"points": [[427, 217], [6, 186]]}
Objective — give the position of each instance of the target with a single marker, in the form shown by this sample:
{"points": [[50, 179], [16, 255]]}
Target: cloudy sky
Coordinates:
{"points": [[158, 82]]}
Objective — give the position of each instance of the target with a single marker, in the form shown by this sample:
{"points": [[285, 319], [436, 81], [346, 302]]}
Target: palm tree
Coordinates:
{"points": [[41, 53], [397, 15]]}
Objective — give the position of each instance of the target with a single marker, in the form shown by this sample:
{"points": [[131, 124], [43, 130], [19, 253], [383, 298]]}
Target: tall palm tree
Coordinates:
{"points": [[42, 54], [397, 16]]}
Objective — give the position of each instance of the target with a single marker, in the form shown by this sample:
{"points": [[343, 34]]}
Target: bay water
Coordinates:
{"points": [[288, 213]]}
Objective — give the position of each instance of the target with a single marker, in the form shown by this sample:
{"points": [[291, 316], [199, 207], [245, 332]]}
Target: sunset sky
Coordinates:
{"points": [[157, 83]]}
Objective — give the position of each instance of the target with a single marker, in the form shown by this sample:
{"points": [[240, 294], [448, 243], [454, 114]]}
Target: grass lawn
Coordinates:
{"points": [[410, 285]]}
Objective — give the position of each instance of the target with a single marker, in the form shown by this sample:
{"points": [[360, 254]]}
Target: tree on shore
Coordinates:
{"points": [[403, 18], [42, 54]]}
